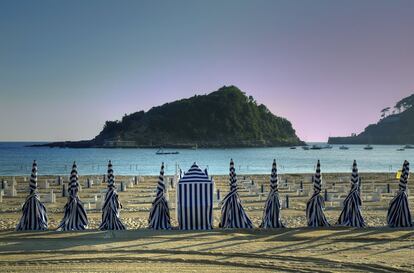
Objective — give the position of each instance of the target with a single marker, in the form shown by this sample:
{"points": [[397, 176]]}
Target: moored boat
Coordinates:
{"points": [[162, 152], [368, 147], [316, 147]]}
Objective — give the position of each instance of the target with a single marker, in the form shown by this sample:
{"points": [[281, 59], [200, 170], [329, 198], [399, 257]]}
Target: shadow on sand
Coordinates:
{"points": [[288, 250]]}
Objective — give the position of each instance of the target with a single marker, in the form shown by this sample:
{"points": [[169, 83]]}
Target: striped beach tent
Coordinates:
{"points": [[34, 212], [159, 217], [195, 200], [351, 215], [232, 211], [111, 206], [315, 206], [399, 211], [271, 214], [75, 215]]}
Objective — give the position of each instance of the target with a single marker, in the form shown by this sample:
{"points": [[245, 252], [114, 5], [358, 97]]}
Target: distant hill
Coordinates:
{"points": [[396, 128], [224, 118]]}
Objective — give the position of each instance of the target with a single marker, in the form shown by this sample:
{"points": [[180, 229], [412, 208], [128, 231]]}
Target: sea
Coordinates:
{"points": [[16, 159]]}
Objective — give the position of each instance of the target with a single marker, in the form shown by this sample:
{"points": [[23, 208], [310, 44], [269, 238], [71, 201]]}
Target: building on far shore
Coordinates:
{"points": [[117, 143]]}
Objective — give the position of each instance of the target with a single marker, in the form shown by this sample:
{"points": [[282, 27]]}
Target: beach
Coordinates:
{"points": [[295, 248], [286, 250]]}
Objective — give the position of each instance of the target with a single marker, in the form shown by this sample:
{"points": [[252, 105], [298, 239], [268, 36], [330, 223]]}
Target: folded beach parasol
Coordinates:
{"points": [[314, 208], [34, 212], [112, 206], [351, 215], [399, 212], [75, 217], [232, 212], [271, 214], [159, 217]]}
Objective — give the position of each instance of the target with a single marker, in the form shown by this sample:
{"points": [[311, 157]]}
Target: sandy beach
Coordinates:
{"points": [[295, 248], [287, 250]]}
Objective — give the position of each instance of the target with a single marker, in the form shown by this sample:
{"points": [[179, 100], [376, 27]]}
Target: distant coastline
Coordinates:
{"points": [[129, 144], [396, 128]]}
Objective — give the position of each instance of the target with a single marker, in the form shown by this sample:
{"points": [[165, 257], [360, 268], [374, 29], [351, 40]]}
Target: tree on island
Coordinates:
{"points": [[405, 103], [399, 107], [384, 112]]}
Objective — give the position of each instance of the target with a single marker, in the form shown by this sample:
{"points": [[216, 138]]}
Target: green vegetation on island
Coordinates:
{"points": [[224, 118], [394, 127]]}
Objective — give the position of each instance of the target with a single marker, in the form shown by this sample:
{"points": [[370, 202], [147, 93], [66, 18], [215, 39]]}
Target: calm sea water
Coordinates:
{"points": [[16, 159]]}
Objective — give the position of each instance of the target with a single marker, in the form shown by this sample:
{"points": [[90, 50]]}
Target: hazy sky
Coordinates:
{"points": [[327, 66]]}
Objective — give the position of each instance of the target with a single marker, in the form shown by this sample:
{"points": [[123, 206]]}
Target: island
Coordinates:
{"points": [[395, 127], [222, 119]]}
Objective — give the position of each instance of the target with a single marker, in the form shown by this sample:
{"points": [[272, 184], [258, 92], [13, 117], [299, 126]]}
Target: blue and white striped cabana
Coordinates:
{"points": [[233, 214], [159, 217], [75, 217], [399, 214], [34, 212], [195, 200]]}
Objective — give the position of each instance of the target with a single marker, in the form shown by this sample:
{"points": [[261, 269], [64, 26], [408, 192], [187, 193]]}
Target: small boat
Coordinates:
{"points": [[305, 148], [343, 147], [368, 147], [161, 152], [401, 149], [293, 148], [408, 146], [316, 147]]}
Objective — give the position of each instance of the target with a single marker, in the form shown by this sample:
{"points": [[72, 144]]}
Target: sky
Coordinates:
{"points": [[327, 66]]}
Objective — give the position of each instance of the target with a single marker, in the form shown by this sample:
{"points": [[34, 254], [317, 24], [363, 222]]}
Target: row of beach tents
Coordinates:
{"points": [[195, 204]]}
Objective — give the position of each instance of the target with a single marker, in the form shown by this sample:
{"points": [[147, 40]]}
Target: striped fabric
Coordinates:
{"points": [[351, 215], [232, 212], [75, 215], [34, 212], [195, 200], [159, 217], [314, 208], [112, 206], [399, 212], [271, 215]]}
